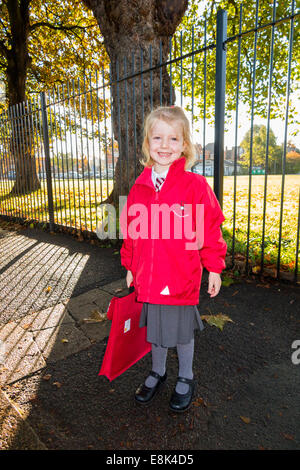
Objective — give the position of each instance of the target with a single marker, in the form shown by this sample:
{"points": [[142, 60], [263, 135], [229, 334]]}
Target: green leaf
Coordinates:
{"points": [[227, 281], [216, 320]]}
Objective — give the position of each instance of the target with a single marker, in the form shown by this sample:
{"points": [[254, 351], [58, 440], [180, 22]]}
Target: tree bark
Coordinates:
{"points": [[136, 36], [18, 61]]}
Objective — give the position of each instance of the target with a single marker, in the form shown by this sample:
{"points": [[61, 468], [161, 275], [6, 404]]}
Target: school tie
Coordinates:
{"points": [[158, 183]]}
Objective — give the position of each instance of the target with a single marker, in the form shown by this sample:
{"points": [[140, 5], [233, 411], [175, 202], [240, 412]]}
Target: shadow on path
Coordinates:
{"points": [[248, 388]]}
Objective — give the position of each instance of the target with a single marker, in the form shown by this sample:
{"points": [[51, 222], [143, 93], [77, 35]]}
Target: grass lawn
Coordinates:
{"points": [[76, 204], [289, 224]]}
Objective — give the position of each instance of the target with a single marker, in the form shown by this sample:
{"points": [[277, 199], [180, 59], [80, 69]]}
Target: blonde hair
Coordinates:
{"points": [[169, 114]]}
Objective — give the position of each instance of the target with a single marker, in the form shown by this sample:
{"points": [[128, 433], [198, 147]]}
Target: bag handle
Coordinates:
{"points": [[131, 288]]}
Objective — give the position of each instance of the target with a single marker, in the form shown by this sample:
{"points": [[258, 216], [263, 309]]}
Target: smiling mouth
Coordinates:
{"points": [[163, 155]]}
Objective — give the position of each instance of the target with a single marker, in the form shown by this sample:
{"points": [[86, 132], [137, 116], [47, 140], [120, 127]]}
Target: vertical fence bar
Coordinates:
{"points": [[76, 149], [87, 145], [99, 141], [55, 163], [160, 73], [72, 156], [81, 150], [93, 140], [134, 117], [151, 77], [47, 160], [4, 165], [288, 87], [142, 84], [251, 135], [26, 150], [38, 132], [20, 158], [105, 133], [220, 82], [193, 74], [62, 158], [204, 100], [37, 160], [3, 168], [111, 121], [181, 72], [126, 121], [268, 135], [236, 133], [66, 148], [120, 143], [170, 58], [297, 242]]}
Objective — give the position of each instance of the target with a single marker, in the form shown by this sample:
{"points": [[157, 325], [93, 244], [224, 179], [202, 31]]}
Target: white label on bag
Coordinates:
{"points": [[127, 325]]}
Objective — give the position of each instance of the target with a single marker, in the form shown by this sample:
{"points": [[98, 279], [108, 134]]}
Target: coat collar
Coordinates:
{"points": [[175, 170]]}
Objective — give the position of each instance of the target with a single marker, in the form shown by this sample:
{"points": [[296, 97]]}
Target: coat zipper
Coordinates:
{"points": [[152, 250]]}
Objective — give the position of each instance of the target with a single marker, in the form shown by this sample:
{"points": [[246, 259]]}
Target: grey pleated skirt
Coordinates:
{"points": [[169, 325]]}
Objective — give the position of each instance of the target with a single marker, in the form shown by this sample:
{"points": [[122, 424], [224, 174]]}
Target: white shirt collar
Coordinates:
{"points": [[159, 175]]}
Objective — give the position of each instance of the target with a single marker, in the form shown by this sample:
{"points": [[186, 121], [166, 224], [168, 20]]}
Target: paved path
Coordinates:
{"points": [[54, 292]]}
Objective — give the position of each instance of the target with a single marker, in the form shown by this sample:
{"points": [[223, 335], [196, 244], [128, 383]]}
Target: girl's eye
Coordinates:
{"points": [[174, 138]]}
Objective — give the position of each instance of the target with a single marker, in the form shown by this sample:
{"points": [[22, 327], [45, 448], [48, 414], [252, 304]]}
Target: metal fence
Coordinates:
{"points": [[59, 150]]}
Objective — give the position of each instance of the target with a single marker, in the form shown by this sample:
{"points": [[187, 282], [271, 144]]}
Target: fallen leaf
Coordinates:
{"points": [[227, 281], [289, 437], [48, 289], [26, 326], [47, 377], [64, 340], [216, 320], [58, 384], [245, 419], [199, 402]]}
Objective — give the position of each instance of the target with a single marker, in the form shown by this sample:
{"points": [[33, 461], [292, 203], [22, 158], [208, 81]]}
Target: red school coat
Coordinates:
{"points": [[170, 235]]}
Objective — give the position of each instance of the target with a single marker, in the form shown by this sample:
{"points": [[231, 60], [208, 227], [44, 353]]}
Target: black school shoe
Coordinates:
{"points": [[144, 395], [181, 402]]}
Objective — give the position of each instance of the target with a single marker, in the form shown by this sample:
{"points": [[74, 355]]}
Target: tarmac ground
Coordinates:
{"points": [[54, 293]]}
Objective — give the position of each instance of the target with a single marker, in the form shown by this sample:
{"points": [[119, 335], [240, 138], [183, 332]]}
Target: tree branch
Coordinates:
{"points": [[59, 27]]}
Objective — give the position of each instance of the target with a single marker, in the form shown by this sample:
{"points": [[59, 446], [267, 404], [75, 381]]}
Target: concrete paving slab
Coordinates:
{"points": [[47, 318], [116, 288], [15, 432], [82, 299], [81, 312], [21, 354], [102, 300], [96, 331], [60, 342]]}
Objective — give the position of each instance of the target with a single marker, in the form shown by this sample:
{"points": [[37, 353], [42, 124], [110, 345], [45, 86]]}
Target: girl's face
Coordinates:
{"points": [[166, 144]]}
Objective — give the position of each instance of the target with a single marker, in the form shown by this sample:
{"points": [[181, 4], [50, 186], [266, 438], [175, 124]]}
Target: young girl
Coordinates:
{"points": [[161, 262]]}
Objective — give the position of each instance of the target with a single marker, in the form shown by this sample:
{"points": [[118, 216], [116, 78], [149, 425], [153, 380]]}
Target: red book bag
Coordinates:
{"points": [[127, 342]]}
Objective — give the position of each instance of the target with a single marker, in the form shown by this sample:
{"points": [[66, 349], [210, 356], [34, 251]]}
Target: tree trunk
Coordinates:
{"points": [[135, 31], [18, 61]]}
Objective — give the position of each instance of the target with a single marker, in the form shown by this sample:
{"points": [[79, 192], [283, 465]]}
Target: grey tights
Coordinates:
{"points": [[185, 354]]}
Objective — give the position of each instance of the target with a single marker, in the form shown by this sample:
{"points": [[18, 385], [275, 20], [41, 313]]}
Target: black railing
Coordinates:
{"points": [[69, 137]]}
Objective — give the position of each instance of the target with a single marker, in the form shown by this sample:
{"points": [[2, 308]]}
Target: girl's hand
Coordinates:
{"points": [[129, 278], [214, 284]]}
